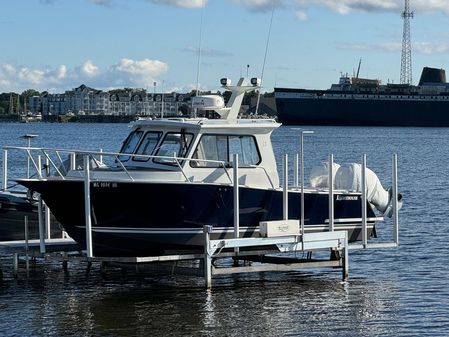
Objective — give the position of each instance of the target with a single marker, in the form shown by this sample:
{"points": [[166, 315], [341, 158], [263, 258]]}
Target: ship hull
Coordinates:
{"points": [[293, 109], [144, 219], [14, 208]]}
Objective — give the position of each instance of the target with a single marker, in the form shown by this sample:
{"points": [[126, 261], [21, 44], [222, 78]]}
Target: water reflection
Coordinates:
{"points": [[267, 304]]}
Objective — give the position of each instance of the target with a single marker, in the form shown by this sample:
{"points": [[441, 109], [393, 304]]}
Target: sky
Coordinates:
{"points": [[57, 45]]}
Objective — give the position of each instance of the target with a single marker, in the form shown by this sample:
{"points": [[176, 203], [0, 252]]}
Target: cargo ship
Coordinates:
{"points": [[357, 101]]}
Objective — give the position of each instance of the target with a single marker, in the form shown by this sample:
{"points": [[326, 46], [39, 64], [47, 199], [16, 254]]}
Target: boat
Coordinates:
{"points": [[356, 101], [14, 207], [173, 176]]}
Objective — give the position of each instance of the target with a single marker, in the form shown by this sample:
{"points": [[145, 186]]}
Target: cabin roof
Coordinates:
{"points": [[204, 123]]}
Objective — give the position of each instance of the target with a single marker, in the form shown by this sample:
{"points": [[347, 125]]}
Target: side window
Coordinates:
{"points": [[245, 147], [222, 148], [148, 145], [173, 144], [250, 152], [211, 147], [130, 144]]}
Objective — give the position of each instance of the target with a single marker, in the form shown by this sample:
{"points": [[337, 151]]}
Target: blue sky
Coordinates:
{"points": [[56, 45]]}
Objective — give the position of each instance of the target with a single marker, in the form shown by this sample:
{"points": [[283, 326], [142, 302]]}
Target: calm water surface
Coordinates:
{"points": [[392, 292]]}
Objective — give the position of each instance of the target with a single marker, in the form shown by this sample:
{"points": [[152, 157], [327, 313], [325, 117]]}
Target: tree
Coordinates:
{"points": [[5, 99], [30, 93]]}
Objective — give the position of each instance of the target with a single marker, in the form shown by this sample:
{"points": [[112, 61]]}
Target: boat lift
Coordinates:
{"points": [[237, 247]]}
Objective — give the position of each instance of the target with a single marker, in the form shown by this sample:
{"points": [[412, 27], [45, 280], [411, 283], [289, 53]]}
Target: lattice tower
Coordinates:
{"points": [[406, 59]]}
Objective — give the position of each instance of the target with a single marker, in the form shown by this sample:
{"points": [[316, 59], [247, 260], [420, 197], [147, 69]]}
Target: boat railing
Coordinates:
{"points": [[299, 169], [56, 163]]}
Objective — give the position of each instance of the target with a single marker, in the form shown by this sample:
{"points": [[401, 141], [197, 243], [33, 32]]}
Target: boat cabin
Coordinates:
{"points": [[201, 150]]}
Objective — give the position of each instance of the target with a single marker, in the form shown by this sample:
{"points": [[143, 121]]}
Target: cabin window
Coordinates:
{"points": [[245, 147], [130, 144], [174, 144], [211, 147], [148, 145], [221, 148]]}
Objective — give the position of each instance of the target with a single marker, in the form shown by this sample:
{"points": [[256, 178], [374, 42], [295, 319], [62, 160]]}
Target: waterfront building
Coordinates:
{"points": [[35, 104], [84, 100]]}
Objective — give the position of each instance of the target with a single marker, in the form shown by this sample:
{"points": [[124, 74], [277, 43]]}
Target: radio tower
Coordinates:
{"points": [[406, 59]]}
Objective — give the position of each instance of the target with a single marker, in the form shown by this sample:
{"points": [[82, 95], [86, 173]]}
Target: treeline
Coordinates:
{"points": [[11, 101]]}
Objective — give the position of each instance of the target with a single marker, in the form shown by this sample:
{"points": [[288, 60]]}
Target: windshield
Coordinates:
{"points": [[148, 145], [130, 144], [174, 144]]}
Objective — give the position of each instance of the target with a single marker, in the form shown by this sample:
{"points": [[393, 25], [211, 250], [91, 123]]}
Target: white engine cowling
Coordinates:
{"points": [[319, 177], [349, 177]]}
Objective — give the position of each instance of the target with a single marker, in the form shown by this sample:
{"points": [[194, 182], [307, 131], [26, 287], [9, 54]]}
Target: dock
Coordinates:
{"points": [[244, 259]]}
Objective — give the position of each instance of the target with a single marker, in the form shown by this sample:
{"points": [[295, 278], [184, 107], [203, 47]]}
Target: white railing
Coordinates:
{"points": [[60, 166], [331, 220]]}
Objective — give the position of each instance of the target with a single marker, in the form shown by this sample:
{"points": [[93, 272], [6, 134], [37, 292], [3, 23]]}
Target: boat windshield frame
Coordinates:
{"points": [[160, 134], [125, 144], [185, 145]]}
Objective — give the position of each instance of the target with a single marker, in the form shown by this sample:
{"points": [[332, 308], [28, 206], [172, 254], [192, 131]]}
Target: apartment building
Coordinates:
{"points": [[86, 100]]}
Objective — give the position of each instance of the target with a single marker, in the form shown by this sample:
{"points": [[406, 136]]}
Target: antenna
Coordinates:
{"points": [[406, 57], [199, 49], [199, 56], [264, 59], [358, 69]]}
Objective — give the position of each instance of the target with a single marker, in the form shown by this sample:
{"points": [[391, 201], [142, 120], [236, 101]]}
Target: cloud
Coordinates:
{"points": [[208, 52], [88, 69], [338, 6], [102, 2], [260, 5], [300, 7], [431, 48], [181, 3], [420, 47], [137, 73], [125, 73], [301, 16], [348, 6], [175, 3]]}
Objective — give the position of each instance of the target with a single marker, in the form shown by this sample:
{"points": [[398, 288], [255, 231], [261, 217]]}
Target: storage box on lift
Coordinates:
{"points": [[270, 229]]}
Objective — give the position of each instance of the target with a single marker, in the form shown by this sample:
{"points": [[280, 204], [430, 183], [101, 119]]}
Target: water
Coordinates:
{"points": [[392, 292]]}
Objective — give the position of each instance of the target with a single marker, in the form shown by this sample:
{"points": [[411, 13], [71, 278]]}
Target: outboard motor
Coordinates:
{"points": [[349, 177], [319, 177]]}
